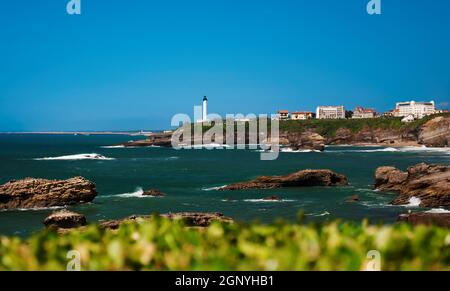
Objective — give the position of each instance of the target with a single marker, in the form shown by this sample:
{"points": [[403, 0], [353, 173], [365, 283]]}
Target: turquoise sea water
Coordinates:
{"points": [[189, 177]]}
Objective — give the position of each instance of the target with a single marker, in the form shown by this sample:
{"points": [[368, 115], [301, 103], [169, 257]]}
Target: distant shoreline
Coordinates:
{"points": [[133, 133]]}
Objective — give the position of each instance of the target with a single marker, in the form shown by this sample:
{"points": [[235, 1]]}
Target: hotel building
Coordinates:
{"points": [[416, 109], [330, 112]]}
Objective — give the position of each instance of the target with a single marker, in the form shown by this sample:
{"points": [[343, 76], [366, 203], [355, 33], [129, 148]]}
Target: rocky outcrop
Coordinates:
{"points": [[426, 218], [198, 219], [429, 183], [304, 141], [376, 136], [389, 179], [64, 220], [37, 193], [352, 199], [192, 219], [304, 178], [433, 133], [115, 223], [153, 193], [436, 132], [155, 139]]}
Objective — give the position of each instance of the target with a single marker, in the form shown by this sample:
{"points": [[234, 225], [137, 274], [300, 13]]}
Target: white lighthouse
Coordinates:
{"points": [[205, 109]]}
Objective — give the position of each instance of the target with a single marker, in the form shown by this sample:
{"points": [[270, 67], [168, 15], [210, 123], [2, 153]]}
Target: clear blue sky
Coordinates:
{"points": [[133, 64]]}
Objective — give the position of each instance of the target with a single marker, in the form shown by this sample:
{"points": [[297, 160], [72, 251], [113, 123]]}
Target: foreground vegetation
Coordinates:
{"points": [[161, 244]]}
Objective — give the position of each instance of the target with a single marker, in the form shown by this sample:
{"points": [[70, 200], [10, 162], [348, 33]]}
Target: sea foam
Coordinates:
{"points": [[413, 202], [78, 157], [289, 150], [113, 147], [34, 209], [138, 193], [437, 211], [214, 188], [267, 200]]}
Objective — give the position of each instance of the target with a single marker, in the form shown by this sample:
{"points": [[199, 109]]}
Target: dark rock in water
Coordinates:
{"points": [[353, 198], [154, 193], [429, 183], [38, 193], [305, 178], [189, 218], [198, 219], [426, 218], [65, 219], [155, 139], [114, 224], [272, 198]]}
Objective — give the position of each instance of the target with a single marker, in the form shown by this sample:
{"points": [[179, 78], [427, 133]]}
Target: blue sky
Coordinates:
{"points": [[133, 64]]}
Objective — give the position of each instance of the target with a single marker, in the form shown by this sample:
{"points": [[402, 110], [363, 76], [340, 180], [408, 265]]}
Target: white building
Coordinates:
{"points": [[283, 115], [416, 109], [361, 113], [301, 115], [330, 112]]}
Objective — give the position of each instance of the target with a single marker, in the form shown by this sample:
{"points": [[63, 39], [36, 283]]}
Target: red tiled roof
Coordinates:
{"points": [[302, 112]]}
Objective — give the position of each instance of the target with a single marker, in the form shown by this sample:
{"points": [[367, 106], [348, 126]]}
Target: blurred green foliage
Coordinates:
{"points": [[160, 244]]}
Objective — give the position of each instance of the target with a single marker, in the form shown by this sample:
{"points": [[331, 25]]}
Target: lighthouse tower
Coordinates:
{"points": [[205, 109]]}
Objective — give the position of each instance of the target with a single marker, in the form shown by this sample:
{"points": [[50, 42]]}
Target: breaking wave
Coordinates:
{"points": [[325, 213], [214, 188], [289, 150], [437, 211], [423, 149], [76, 158], [34, 209], [138, 193], [413, 202], [113, 147], [268, 201], [366, 151]]}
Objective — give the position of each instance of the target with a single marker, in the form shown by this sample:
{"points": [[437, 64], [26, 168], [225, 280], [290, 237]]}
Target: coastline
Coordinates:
{"points": [[131, 133]]}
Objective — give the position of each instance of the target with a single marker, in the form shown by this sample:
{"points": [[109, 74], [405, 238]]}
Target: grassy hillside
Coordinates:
{"points": [[328, 128], [161, 244]]}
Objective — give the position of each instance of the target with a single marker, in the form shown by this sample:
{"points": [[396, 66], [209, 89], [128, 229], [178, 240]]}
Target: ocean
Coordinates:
{"points": [[191, 179]]}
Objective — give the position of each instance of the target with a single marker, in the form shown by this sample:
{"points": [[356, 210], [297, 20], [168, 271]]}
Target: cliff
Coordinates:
{"points": [[429, 183], [432, 131], [435, 132]]}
